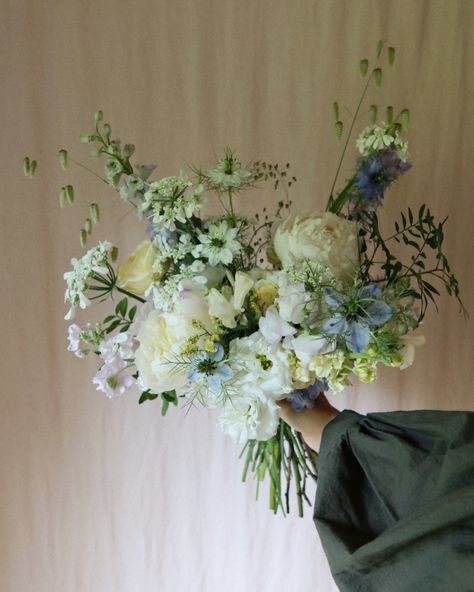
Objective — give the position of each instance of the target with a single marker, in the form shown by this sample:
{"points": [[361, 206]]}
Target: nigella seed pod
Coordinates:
{"points": [[26, 166], [83, 237], [363, 67], [338, 128], [373, 110], [63, 159], [391, 55], [69, 189], [405, 118], [88, 225], [335, 107], [378, 77], [114, 253], [95, 214], [389, 114]]}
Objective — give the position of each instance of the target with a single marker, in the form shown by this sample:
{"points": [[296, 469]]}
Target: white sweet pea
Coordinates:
{"points": [[273, 327], [306, 347], [291, 302], [227, 310]]}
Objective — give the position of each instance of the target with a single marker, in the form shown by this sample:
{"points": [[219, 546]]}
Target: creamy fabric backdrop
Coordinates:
{"points": [[106, 496]]}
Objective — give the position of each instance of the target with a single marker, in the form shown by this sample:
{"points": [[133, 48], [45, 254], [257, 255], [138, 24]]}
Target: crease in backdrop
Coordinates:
{"points": [[107, 496]]}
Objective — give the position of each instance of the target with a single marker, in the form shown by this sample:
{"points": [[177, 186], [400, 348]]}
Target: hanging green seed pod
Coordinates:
{"points": [[338, 128], [363, 67], [405, 118], [69, 189], [379, 48], [114, 253], [62, 197], [373, 110], [391, 55], [378, 77], [83, 237], [26, 167], [335, 107], [389, 114], [88, 225], [63, 159], [33, 166], [95, 214]]}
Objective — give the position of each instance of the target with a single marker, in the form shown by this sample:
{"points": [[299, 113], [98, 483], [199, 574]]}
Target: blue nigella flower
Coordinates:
{"points": [[355, 314], [306, 398], [209, 368], [378, 172]]}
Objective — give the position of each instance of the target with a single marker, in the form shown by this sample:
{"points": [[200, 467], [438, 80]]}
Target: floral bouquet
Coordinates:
{"points": [[240, 312]]}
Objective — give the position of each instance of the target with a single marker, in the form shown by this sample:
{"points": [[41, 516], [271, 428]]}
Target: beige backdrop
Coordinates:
{"points": [[106, 496]]}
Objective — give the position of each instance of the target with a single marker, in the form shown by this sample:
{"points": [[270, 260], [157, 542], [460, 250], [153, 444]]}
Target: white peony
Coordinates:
{"points": [[162, 336], [322, 238], [249, 418]]}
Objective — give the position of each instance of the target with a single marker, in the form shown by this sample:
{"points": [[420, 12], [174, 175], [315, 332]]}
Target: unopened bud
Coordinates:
{"points": [[378, 77], [335, 107], [338, 128], [373, 109], [363, 67], [26, 166], [405, 117], [98, 116], [88, 225], [128, 150], [106, 130], [391, 55], [114, 253], [87, 138], [69, 189], [62, 197]]}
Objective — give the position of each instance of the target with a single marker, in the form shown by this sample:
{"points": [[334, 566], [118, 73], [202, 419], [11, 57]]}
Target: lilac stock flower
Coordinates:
{"points": [[306, 398], [377, 173], [208, 367], [355, 314]]}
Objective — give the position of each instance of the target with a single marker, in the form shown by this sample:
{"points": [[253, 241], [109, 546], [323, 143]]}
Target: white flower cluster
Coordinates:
{"points": [[94, 261], [115, 377], [385, 137]]}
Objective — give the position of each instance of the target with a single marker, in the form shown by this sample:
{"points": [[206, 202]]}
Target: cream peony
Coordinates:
{"points": [[136, 274], [322, 238], [162, 336]]}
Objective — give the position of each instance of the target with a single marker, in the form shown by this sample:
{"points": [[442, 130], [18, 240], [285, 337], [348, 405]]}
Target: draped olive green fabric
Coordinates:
{"points": [[395, 501]]}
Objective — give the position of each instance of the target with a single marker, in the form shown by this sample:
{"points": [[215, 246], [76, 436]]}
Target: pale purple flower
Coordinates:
{"points": [[208, 367], [74, 338], [114, 378], [301, 399], [122, 344], [273, 327]]}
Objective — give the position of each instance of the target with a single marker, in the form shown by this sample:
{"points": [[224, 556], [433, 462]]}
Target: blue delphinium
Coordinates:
{"points": [[209, 368], [354, 315], [306, 398]]}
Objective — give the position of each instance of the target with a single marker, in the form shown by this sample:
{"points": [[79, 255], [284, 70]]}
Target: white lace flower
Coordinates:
{"points": [[383, 137], [94, 261], [218, 244]]}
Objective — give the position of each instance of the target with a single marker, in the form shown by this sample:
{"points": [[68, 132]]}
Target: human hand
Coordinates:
{"points": [[310, 422]]}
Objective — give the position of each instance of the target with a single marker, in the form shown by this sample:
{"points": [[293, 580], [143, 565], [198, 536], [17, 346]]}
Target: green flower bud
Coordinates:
{"points": [[405, 117], [401, 328], [335, 107], [389, 114], [128, 150], [95, 214], [88, 225], [114, 253], [98, 116], [87, 138], [26, 166], [373, 109], [363, 67], [391, 55], [83, 237], [69, 189], [106, 131], [338, 128], [378, 77], [63, 159]]}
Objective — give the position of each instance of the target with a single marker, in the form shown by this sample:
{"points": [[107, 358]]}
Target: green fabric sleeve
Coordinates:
{"points": [[395, 501]]}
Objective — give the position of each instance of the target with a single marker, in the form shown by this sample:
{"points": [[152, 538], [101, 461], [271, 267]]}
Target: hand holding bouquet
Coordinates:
{"points": [[239, 313]]}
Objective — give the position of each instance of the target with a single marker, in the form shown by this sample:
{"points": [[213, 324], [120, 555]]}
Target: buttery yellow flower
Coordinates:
{"points": [[365, 369], [266, 292], [136, 274]]}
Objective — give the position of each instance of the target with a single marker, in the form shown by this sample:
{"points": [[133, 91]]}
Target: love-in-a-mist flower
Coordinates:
{"points": [[218, 244], [228, 173], [210, 369], [306, 398], [355, 314], [377, 173]]}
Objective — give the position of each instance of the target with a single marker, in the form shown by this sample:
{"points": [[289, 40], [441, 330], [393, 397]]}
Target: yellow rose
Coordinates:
{"points": [[136, 274]]}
